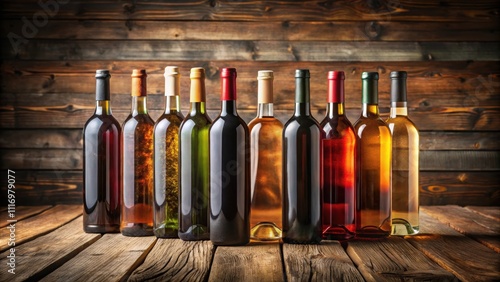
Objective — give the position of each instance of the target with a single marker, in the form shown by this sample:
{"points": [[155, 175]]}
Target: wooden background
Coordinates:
{"points": [[450, 50]]}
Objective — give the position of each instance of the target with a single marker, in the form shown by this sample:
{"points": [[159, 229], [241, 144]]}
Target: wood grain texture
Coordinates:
{"points": [[43, 223], [247, 50], [22, 212], [254, 262], [317, 10], [467, 259], [394, 259], [41, 256], [492, 212], [325, 262], [482, 229], [113, 258], [176, 260]]}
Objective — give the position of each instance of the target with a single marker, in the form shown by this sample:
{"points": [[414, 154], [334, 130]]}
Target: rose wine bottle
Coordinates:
{"points": [[101, 164], [301, 169], [266, 169], [229, 170], [194, 162], [373, 206], [338, 152], [405, 145], [166, 159], [137, 207]]}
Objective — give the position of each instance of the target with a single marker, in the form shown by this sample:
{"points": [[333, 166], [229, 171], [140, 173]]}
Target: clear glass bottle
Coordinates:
{"points": [[373, 205], [338, 152], [405, 169], [166, 159], [137, 205], [266, 167], [101, 164]]}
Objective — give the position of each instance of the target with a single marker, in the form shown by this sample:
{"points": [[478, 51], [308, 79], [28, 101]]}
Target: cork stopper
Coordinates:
{"points": [[172, 81], [139, 83], [197, 90], [265, 86]]}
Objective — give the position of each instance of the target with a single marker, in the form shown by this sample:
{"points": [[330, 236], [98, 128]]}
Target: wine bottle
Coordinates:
{"points": [[194, 164], [373, 206], [166, 159], [265, 159], [137, 208], [338, 152], [301, 169], [405, 144], [229, 170], [101, 164]]}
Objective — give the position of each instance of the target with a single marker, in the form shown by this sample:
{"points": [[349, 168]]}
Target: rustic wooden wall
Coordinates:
{"points": [[450, 50]]}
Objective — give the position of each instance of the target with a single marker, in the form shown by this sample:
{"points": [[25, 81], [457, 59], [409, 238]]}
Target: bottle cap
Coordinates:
{"points": [[228, 84], [370, 88], [228, 72], [304, 73], [172, 81], [369, 75], [102, 85], [302, 94], [139, 83], [265, 86], [197, 73], [336, 86], [197, 90], [398, 88]]}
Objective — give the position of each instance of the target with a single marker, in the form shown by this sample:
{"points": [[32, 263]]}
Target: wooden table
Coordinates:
{"points": [[455, 243]]}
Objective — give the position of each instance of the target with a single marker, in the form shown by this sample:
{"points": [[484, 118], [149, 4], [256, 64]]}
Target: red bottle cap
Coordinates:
{"points": [[228, 84], [336, 86]]}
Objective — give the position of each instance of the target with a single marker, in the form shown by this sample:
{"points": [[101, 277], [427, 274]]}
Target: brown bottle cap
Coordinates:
{"points": [[139, 83], [265, 86], [197, 91], [172, 81]]}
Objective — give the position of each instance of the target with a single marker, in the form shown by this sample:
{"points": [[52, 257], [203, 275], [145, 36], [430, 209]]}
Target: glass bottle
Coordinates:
{"points": [[339, 149], [265, 159], [405, 146], [137, 206], [229, 170], [301, 169], [101, 164], [166, 159], [373, 205], [194, 162]]}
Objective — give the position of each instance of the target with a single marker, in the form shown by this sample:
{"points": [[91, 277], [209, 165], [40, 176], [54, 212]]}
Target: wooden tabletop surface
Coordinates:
{"points": [[455, 243]]}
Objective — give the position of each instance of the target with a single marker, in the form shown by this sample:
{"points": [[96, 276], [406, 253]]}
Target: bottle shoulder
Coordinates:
{"points": [[102, 123], [401, 121], [141, 120], [265, 122], [228, 123]]}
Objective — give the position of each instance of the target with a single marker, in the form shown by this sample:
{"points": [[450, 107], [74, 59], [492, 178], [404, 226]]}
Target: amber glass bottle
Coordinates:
{"points": [[101, 164], [166, 159], [373, 206], [137, 207], [405, 146], [194, 164], [338, 152], [302, 169], [266, 158]]}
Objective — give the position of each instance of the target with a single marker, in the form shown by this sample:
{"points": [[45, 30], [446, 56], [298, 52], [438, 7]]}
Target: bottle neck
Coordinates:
{"points": [[228, 108], [103, 107], [334, 109], [370, 110], [265, 110], [197, 107], [398, 109], [139, 105], [172, 104]]}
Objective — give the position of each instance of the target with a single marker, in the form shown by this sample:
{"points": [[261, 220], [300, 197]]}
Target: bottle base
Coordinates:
{"points": [[265, 231], [401, 227], [94, 228], [338, 232], [195, 233], [371, 232], [137, 230]]}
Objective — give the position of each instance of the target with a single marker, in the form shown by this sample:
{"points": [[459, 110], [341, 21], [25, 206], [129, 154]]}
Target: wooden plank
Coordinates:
{"points": [[467, 259], [446, 140], [41, 159], [247, 50], [394, 259], [21, 212], [459, 187], [460, 160], [176, 260], [30, 228], [489, 212], [480, 228], [344, 10], [325, 262], [275, 30], [116, 255], [254, 262], [41, 256]]}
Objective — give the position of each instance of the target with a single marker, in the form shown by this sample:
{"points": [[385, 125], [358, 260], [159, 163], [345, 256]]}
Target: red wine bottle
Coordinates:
{"points": [[338, 164], [301, 169], [101, 164], [229, 170]]}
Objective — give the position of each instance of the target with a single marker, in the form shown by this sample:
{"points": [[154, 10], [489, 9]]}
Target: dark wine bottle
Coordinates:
{"points": [[101, 164], [301, 169], [339, 149], [229, 170]]}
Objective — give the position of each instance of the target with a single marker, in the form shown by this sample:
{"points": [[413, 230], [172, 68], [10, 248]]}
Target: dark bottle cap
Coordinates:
{"points": [[370, 88], [398, 86], [139, 83], [336, 86], [228, 84], [102, 85], [302, 94]]}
